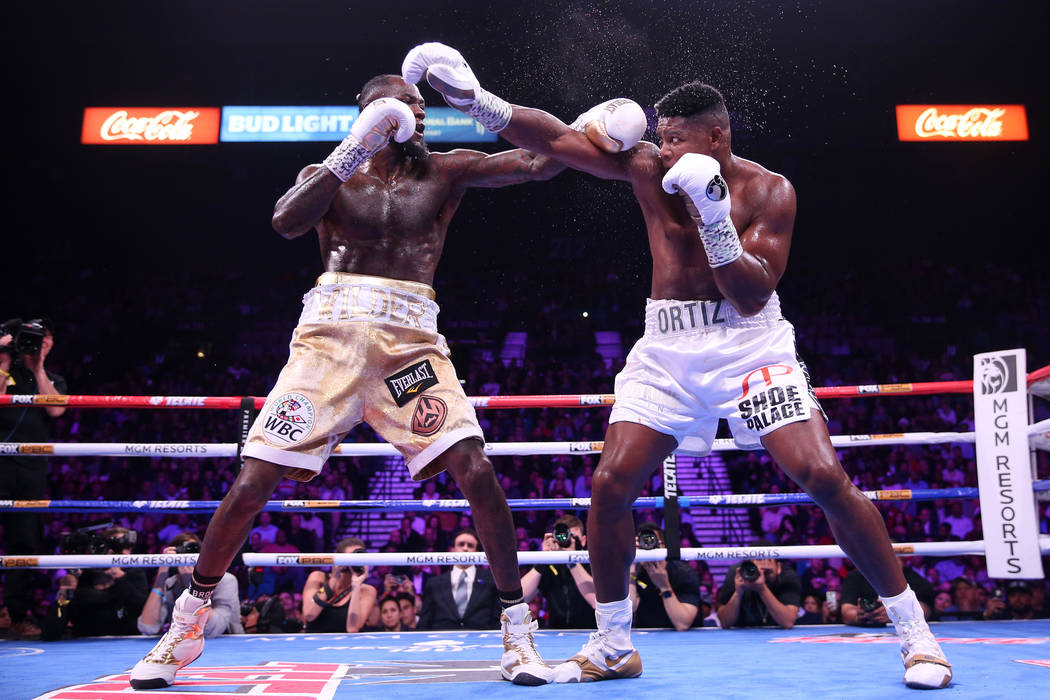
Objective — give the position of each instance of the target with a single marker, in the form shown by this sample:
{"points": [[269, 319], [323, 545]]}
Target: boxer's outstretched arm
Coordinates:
{"points": [[507, 168], [538, 131]]}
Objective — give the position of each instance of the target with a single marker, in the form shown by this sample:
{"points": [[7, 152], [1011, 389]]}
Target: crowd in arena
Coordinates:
{"points": [[840, 348]]}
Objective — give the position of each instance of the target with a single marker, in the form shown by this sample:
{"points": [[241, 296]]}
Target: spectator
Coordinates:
{"points": [[1014, 604], [390, 614], [664, 593], [463, 597], [407, 604], [966, 607], [168, 585], [266, 530], [340, 600], [567, 588], [765, 593], [812, 612]]}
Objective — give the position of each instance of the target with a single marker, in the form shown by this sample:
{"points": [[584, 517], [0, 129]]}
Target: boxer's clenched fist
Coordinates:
{"points": [[447, 72], [698, 178], [613, 126], [370, 132]]}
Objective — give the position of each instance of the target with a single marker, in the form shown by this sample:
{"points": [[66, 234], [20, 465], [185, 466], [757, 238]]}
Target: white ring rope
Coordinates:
{"points": [[822, 551]]}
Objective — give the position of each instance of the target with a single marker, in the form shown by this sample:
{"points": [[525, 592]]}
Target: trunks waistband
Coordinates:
{"points": [[343, 296], [666, 317]]}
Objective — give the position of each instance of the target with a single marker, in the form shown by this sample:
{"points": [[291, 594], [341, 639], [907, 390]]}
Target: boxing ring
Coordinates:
{"points": [[990, 658]]}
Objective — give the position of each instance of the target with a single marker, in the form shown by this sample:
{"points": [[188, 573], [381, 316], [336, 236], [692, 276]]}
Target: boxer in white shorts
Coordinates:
{"points": [[706, 246], [699, 361]]}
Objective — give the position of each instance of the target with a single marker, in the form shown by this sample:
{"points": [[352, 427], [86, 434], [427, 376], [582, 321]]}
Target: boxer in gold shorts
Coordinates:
{"points": [[367, 349]]}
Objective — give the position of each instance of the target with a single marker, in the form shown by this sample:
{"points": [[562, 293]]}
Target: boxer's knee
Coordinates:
{"points": [[826, 481], [473, 472], [612, 486], [254, 486]]}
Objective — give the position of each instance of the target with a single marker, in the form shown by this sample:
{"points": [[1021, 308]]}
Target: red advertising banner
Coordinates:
{"points": [[962, 123], [151, 126]]}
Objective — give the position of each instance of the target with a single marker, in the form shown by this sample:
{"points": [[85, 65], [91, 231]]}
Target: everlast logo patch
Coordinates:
{"points": [[411, 382], [429, 416], [766, 408]]}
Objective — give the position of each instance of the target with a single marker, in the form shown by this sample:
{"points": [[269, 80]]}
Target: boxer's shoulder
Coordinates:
{"points": [[754, 182]]}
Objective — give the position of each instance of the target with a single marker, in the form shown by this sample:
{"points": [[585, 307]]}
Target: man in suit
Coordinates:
{"points": [[464, 597]]}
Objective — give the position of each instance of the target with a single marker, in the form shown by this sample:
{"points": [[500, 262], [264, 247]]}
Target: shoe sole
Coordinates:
{"points": [[527, 679]]}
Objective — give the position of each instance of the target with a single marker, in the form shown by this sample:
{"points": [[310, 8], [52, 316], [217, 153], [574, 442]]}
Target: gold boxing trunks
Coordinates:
{"points": [[366, 350]]}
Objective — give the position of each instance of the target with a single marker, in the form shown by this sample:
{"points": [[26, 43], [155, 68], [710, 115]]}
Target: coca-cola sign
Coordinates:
{"points": [[962, 123], [150, 125]]}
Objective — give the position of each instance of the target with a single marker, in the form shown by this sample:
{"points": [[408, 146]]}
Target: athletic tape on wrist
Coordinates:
{"points": [[490, 111], [347, 158], [721, 242]]}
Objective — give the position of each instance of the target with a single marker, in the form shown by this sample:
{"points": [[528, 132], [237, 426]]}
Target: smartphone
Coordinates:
{"points": [[833, 599]]}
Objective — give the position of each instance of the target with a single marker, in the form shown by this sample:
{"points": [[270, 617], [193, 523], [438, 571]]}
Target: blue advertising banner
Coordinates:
{"points": [[253, 124]]}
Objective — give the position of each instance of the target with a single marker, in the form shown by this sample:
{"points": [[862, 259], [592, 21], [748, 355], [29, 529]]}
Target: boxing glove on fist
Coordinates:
{"points": [[698, 179], [613, 126], [448, 72], [370, 132]]}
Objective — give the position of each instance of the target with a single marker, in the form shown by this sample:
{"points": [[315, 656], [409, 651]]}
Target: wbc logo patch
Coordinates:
{"points": [[411, 382], [429, 415], [289, 420]]}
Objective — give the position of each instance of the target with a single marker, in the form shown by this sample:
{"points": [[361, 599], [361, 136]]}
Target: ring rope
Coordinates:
{"points": [[497, 449], [97, 561], [457, 504]]}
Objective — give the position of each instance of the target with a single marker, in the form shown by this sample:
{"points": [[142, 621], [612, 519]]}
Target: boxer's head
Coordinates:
{"points": [[692, 118], [393, 86]]}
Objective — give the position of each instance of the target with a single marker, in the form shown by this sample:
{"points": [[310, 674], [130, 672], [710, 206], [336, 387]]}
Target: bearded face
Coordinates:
{"points": [[412, 149]]}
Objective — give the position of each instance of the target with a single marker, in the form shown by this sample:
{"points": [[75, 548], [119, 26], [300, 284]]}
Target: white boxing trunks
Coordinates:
{"points": [[699, 361]]}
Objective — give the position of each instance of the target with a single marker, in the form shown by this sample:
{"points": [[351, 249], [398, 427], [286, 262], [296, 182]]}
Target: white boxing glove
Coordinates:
{"points": [[381, 119], [448, 72], [613, 126], [698, 179]]}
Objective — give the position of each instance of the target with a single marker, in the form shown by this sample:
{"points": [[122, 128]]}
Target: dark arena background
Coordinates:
{"points": [[160, 271]]}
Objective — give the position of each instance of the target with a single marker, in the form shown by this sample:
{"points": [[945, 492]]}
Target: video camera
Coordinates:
{"points": [[749, 571], [27, 337], [90, 540]]}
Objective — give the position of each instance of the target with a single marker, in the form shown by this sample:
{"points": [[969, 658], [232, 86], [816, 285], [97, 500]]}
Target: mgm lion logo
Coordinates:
{"points": [[998, 374]]}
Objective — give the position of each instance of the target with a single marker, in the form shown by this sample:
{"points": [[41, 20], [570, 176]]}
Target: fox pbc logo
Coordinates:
{"points": [[411, 382], [998, 374], [290, 419], [429, 416]]}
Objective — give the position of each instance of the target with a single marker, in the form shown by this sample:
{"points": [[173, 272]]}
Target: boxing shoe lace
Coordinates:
{"points": [[180, 646], [917, 640], [519, 638]]}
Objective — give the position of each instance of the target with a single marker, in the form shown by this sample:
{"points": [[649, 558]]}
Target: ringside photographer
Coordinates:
{"points": [[24, 347], [568, 588], [664, 593], [759, 593], [170, 582]]}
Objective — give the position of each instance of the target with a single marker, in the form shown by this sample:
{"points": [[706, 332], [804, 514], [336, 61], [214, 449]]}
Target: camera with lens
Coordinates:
{"points": [[868, 604], [247, 607], [27, 337], [563, 536], [91, 540], [749, 571], [648, 538], [188, 547]]}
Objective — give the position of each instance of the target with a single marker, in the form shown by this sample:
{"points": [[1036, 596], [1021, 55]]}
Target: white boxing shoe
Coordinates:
{"points": [[925, 665], [598, 660], [180, 646], [521, 663]]}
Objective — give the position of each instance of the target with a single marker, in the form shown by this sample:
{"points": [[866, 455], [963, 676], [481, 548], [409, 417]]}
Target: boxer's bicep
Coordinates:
{"points": [[768, 236]]}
